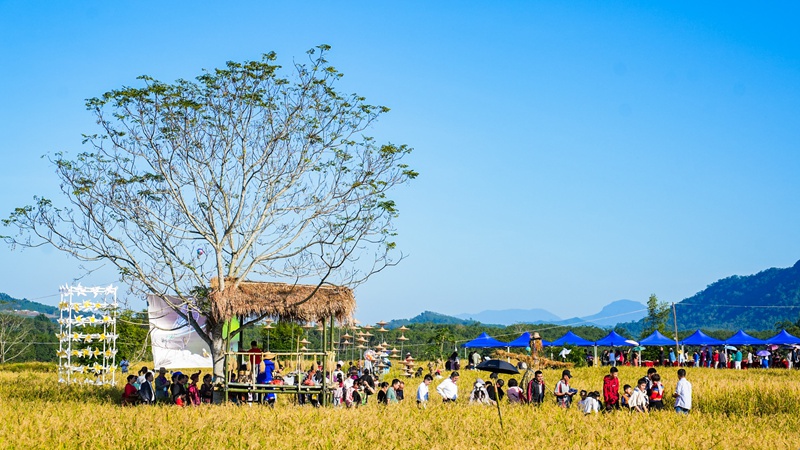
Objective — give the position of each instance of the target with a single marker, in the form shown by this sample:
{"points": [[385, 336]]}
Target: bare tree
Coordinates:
{"points": [[240, 174], [15, 334]]}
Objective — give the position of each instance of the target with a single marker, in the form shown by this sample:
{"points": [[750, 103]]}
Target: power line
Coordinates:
{"points": [[739, 306]]}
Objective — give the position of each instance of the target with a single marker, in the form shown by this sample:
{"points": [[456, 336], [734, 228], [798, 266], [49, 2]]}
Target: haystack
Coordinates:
{"points": [[536, 363], [290, 302]]}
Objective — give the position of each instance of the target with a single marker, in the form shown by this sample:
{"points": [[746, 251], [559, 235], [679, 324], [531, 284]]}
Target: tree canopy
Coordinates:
{"points": [[246, 172]]}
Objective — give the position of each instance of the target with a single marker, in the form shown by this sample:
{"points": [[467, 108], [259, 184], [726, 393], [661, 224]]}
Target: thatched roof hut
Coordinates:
{"points": [[296, 302]]}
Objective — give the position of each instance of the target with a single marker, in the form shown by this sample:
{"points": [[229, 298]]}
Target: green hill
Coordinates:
{"points": [[10, 303], [752, 302], [430, 317]]}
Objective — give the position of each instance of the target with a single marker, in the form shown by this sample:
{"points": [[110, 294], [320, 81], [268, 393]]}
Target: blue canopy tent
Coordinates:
{"points": [[614, 339], [742, 338], [700, 338], [571, 338], [656, 339], [783, 338], [484, 341], [525, 340]]}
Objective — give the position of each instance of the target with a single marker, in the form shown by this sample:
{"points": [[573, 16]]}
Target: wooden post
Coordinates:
{"points": [[227, 376], [324, 395]]}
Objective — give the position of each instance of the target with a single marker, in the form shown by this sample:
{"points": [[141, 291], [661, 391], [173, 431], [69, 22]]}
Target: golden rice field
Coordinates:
{"points": [[747, 409]]}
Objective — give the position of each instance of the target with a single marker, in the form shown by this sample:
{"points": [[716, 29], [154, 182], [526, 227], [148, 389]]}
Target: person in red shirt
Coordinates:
{"points": [[255, 357], [131, 395], [611, 389]]}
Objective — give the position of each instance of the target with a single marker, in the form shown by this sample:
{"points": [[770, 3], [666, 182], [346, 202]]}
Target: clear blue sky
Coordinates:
{"points": [[570, 154]]}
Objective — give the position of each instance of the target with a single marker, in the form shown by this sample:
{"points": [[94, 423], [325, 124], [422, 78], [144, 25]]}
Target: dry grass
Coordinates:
{"points": [[748, 409]]}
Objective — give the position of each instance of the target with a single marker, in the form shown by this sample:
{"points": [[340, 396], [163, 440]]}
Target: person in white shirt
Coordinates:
{"points": [[638, 401], [448, 388], [479, 394], [591, 404], [422, 391], [683, 394], [338, 372]]}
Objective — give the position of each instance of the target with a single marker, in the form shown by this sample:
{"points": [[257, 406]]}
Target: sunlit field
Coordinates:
{"points": [[732, 409]]}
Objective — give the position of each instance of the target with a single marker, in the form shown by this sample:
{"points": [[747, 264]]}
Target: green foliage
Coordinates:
{"points": [[133, 328], [283, 337], [657, 314], [430, 317], [733, 303], [269, 169]]}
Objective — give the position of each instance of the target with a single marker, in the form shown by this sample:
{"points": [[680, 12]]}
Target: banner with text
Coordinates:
{"points": [[175, 344]]}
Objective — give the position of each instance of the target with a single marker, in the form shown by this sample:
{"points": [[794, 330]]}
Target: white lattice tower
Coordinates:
{"points": [[87, 355]]}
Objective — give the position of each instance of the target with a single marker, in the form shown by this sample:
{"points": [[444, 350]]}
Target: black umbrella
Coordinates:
{"points": [[498, 366]]}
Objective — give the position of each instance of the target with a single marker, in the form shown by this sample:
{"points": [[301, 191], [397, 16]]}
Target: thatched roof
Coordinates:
{"points": [[283, 301]]}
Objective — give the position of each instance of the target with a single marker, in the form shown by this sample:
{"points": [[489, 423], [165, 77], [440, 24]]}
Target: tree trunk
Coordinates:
{"points": [[217, 350]]}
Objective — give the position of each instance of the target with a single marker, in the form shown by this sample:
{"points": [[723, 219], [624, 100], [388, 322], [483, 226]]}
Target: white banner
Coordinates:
{"points": [[175, 343]]}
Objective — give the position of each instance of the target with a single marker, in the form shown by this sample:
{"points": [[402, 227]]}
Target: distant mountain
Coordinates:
{"points": [[429, 317], [512, 316], [612, 314], [753, 302], [8, 303]]}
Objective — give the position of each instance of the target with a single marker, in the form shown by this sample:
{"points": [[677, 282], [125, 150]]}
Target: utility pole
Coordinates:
{"points": [[675, 322]]}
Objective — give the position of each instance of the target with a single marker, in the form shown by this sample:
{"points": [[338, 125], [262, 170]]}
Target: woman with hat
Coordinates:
{"points": [[162, 386], [264, 376]]}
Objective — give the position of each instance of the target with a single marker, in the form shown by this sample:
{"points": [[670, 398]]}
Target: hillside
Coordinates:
{"points": [[752, 302], [430, 317], [10, 303]]}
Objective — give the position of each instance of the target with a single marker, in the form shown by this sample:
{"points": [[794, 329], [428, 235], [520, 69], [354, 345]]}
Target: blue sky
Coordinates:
{"points": [[571, 154]]}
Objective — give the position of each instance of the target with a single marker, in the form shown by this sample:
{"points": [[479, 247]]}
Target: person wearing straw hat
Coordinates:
{"points": [[266, 367], [162, 386]]}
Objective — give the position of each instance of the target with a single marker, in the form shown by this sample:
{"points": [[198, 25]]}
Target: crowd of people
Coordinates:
{"points": [[647, 394], [724, 358], [355, 385], [180, 389]]}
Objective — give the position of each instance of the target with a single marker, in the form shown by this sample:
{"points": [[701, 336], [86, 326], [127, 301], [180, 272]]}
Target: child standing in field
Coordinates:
{"points": [[611, 389], [124, 364], [657, 393], [638, 400], [624, 401]]}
